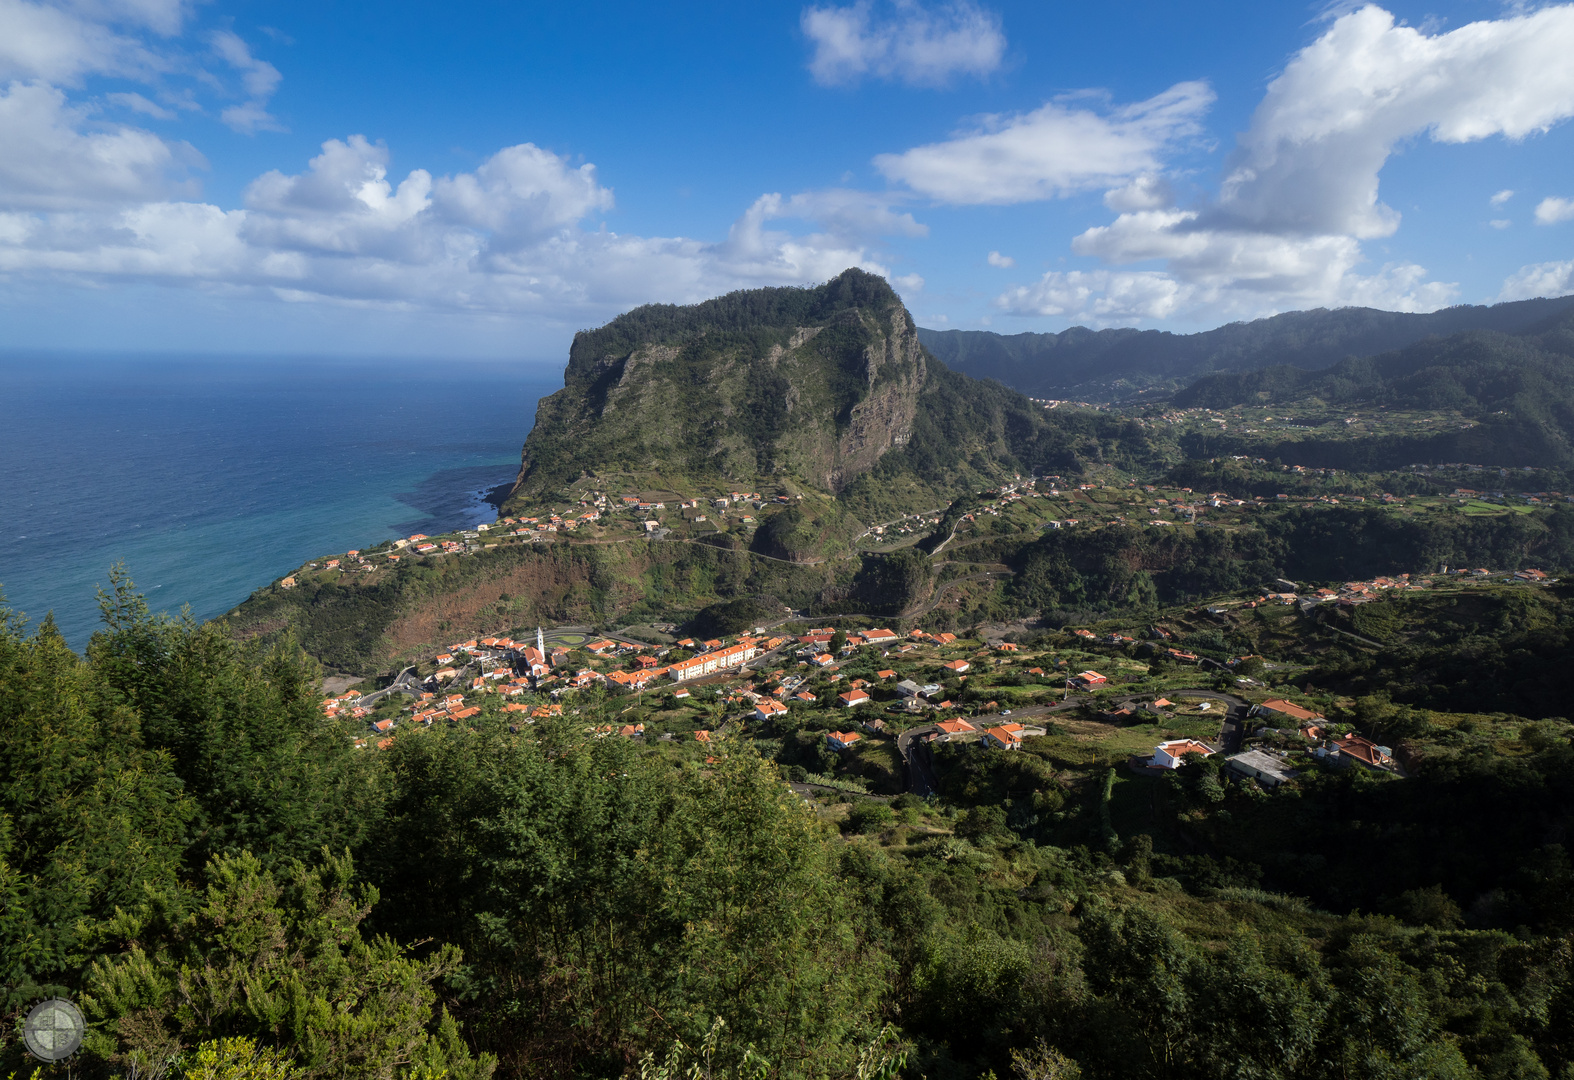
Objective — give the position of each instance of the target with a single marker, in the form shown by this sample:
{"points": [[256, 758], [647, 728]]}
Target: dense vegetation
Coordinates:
{"points": [[1096, 365], [1519, 388], [189, 850], [1124, 567]]}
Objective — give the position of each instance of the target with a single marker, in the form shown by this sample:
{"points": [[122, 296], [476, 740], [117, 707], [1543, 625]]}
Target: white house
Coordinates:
{"points": [[1170, 755]]}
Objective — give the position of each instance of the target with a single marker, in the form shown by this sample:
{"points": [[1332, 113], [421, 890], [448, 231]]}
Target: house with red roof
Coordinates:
{"points": [[1355, 750], [1281, 707], [1171, 754], [766, 709], [841, 740], [950, 729], [1004, 736]]}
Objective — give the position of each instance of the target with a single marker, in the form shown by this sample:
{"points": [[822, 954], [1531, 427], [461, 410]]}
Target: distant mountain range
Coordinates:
{"points": [[1101, 365], [1518, 388]]}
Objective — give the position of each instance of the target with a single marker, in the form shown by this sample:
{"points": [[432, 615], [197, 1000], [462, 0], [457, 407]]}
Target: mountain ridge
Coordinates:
{"points": [[1102, 364], [1517, 389]]}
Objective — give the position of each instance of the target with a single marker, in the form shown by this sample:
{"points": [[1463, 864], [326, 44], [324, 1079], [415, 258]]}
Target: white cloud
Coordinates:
{"points": [[508, 238], [139, 104], [1005, 262], [60, 45], [163, 17], [89, 201], [1551, 210], [1098, 296], [1540, 279], [1300, 191], [1502, 197], [1500, 223], [54, 159], [1123, 297], [1146, 192], [914, 44], [1053, 151], [1311, 158], [259, 78], [522, 191]]}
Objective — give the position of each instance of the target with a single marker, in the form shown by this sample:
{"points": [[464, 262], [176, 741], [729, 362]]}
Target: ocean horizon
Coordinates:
{"points": [[208, 478]]}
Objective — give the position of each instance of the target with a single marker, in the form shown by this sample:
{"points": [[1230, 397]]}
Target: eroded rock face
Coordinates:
{"points": [[814, 384], [884, 419]]}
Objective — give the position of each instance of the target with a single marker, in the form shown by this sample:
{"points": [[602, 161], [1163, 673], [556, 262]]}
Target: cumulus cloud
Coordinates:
{"points": [[1053, 151], [1124, 297], [912, 43], [1551, 210], [1539, 279], [1149, 191], [84, 199], [1300, 191], [1502, 197], [1097, 296], [509, 237], [61, 44], [54, 160], [1311, 158], [1005, 262]]}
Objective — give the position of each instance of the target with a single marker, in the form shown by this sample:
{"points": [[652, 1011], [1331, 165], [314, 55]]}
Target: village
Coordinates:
{"points": [[876, 702], [856, 709]]}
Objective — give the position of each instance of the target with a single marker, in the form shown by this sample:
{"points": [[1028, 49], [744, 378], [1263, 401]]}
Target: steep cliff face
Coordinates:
{"points": [[816, 385]]}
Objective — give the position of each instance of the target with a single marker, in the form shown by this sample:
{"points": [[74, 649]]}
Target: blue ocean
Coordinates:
{"points": [[210, 478]]}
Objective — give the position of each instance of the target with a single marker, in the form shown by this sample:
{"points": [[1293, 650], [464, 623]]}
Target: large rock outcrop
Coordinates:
{"points": [[822, 391]]}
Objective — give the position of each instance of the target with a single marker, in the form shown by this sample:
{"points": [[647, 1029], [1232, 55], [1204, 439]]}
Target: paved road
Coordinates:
{"points": [[1234, 726], [404, 683]]}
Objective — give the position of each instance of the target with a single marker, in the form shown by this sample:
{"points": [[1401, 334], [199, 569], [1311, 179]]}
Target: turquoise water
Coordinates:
{"points": [[209, 479]]}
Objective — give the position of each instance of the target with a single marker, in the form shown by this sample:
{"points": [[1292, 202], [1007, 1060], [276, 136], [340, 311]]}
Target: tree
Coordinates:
{"points": [[610, 904], [1043, 1062], [278, 958], [869, 817], [90, 819], [1381, 1025], [245, 733]]}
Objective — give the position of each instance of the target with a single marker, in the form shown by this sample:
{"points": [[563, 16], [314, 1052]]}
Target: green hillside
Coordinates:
{"points": [[824, 389], [1516, 392], [1108, 364]]}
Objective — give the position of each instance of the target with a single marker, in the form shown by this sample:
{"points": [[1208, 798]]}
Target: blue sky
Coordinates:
{"points": [[482, 180]]}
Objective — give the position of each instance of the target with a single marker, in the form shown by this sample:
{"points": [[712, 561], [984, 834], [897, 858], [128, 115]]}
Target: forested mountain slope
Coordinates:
{"points": [[1093, 364], [1517, 388]]}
